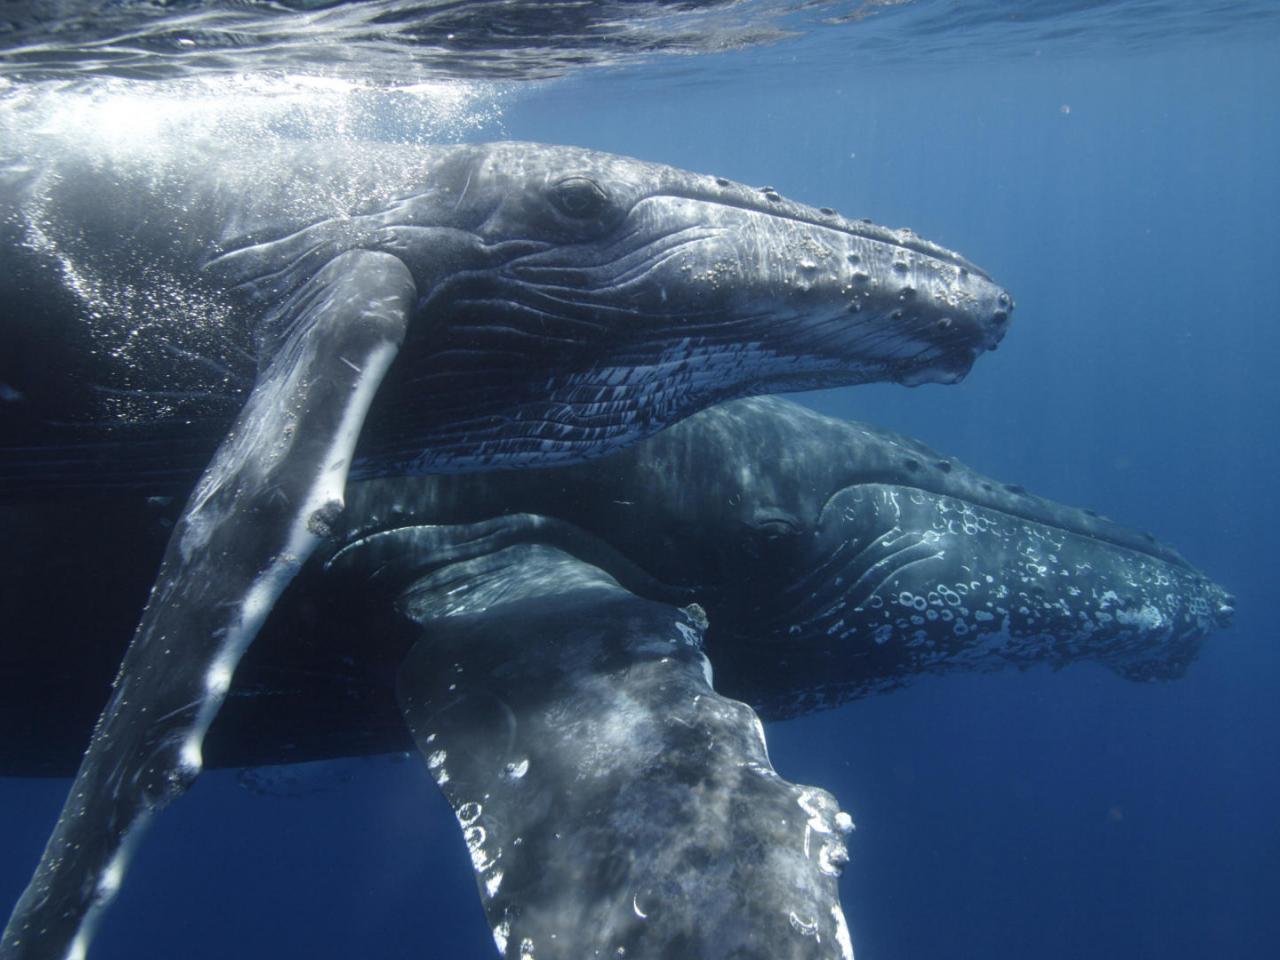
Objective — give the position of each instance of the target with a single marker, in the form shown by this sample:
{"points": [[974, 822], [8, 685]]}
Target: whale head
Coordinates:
{"points": [[873, 559], [688, 256], [610, 297]]}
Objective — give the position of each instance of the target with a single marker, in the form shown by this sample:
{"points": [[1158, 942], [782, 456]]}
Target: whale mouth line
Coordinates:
{"points": [[863, 229]]}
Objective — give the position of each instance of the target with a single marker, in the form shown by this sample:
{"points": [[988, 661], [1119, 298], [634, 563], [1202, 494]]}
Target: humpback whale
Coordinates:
{"points": [[234, 319], [554, 631], [733, 509]]}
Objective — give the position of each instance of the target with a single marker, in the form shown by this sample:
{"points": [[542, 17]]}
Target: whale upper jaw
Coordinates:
{"points": [[832, 300]]}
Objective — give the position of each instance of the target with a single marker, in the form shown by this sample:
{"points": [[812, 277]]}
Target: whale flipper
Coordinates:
{"points": [[258, 511], [613, 803]]}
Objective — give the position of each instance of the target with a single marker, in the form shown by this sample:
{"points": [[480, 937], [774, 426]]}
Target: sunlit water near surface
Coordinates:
{"points": [[1112, 163]]}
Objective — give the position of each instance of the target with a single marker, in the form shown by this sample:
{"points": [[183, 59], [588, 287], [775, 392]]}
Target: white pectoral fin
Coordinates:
{"points": [[613, 803], [258, 511]]}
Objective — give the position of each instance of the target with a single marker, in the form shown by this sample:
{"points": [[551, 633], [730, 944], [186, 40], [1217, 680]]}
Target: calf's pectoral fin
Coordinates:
{"points": [[613, 803], [258, 511]]}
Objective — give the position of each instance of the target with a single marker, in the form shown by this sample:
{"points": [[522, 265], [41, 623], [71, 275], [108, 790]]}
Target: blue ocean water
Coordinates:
{"points": [[1127, 194]]}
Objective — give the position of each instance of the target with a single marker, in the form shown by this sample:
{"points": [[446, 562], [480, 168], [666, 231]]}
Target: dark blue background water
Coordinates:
{"points": [[1131, 202]]}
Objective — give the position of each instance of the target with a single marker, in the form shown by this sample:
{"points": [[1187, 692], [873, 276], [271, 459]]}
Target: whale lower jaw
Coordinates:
{"points": [[581, 417]]}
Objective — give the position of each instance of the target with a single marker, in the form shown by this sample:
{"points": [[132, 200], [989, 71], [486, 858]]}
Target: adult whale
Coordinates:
{"points": [[540, 304]]}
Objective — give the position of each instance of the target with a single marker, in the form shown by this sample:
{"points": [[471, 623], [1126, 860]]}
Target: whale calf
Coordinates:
{"points": [[617, 802], [548, 639], [678, 519], [264, 324]]}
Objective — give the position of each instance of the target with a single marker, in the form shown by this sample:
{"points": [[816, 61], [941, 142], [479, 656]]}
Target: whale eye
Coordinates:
{"points": [[771, 524], [579, 197], [775, 529]]}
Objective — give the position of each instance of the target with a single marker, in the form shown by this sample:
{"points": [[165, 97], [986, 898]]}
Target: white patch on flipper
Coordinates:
{"points": [[832, 853], [475, 837], [435, 764], [500, 934], [493, 883], [811, 803], [192, 755], [258, 600], [842, 933], [111, 878], [327, 489], [106, 887], [832, 856], [806, 928], [218, 679]]}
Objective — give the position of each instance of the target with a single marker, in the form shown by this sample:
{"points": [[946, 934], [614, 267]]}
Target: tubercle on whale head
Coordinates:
{"points": [[934, 312], [852, 306]]}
